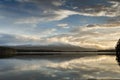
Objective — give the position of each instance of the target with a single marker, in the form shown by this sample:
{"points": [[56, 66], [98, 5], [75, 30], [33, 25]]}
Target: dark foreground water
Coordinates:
{"points": [[59, 68]]}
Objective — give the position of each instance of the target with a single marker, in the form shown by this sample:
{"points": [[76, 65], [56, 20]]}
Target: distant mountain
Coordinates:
{"points": [[53, 47]]}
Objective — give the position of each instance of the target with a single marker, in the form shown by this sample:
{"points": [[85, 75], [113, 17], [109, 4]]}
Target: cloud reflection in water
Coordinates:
{"points": [[48, 69]]}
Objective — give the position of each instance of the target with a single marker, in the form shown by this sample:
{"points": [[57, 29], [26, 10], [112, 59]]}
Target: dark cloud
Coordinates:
{"points": [[114, 0], [110, 24], [51, 8]]}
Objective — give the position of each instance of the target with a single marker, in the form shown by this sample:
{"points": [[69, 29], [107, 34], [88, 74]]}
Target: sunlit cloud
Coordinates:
{"points": [[49, 16], [63, 25], [98, 36], [44, 22]]}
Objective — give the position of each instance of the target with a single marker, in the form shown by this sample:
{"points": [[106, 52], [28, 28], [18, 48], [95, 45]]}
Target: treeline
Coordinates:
{"points": [[7, 52], [110, 50], [39, 50]]}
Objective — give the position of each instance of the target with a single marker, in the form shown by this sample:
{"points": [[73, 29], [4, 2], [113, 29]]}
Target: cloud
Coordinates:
{"points": [[110, 24], [102, 10], [10, 39], [57, 3], [44, 4], [48, 32], [51, 11], [26, 39], [63, 25], [30, 20], [2, 17], [102, 36], [47, 16], [39, 11], [98, 36], [33, 11], [110, 10], [56, 10]]}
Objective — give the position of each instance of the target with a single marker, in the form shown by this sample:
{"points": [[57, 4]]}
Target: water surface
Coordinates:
{"points": [[59, 68]]}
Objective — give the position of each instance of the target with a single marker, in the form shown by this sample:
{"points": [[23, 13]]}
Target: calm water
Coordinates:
{"points": [[59, 68]]}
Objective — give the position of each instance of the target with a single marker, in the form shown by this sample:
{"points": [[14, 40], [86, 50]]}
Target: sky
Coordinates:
{"points": [[84, 23]]}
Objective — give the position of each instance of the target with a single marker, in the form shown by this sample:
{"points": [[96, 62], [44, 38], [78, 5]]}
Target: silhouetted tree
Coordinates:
{"points": [[118, 52]]}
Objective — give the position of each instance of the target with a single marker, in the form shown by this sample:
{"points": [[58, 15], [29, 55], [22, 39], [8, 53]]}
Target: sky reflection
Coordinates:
{"points": [[47, 69]]}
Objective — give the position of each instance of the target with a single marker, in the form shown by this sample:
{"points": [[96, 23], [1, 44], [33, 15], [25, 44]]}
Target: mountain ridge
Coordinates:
{"points": [[58, 47]]}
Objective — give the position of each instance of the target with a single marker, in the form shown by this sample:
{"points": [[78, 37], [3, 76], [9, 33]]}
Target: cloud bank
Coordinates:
{"points": [[102, 36], [49, 18]]}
